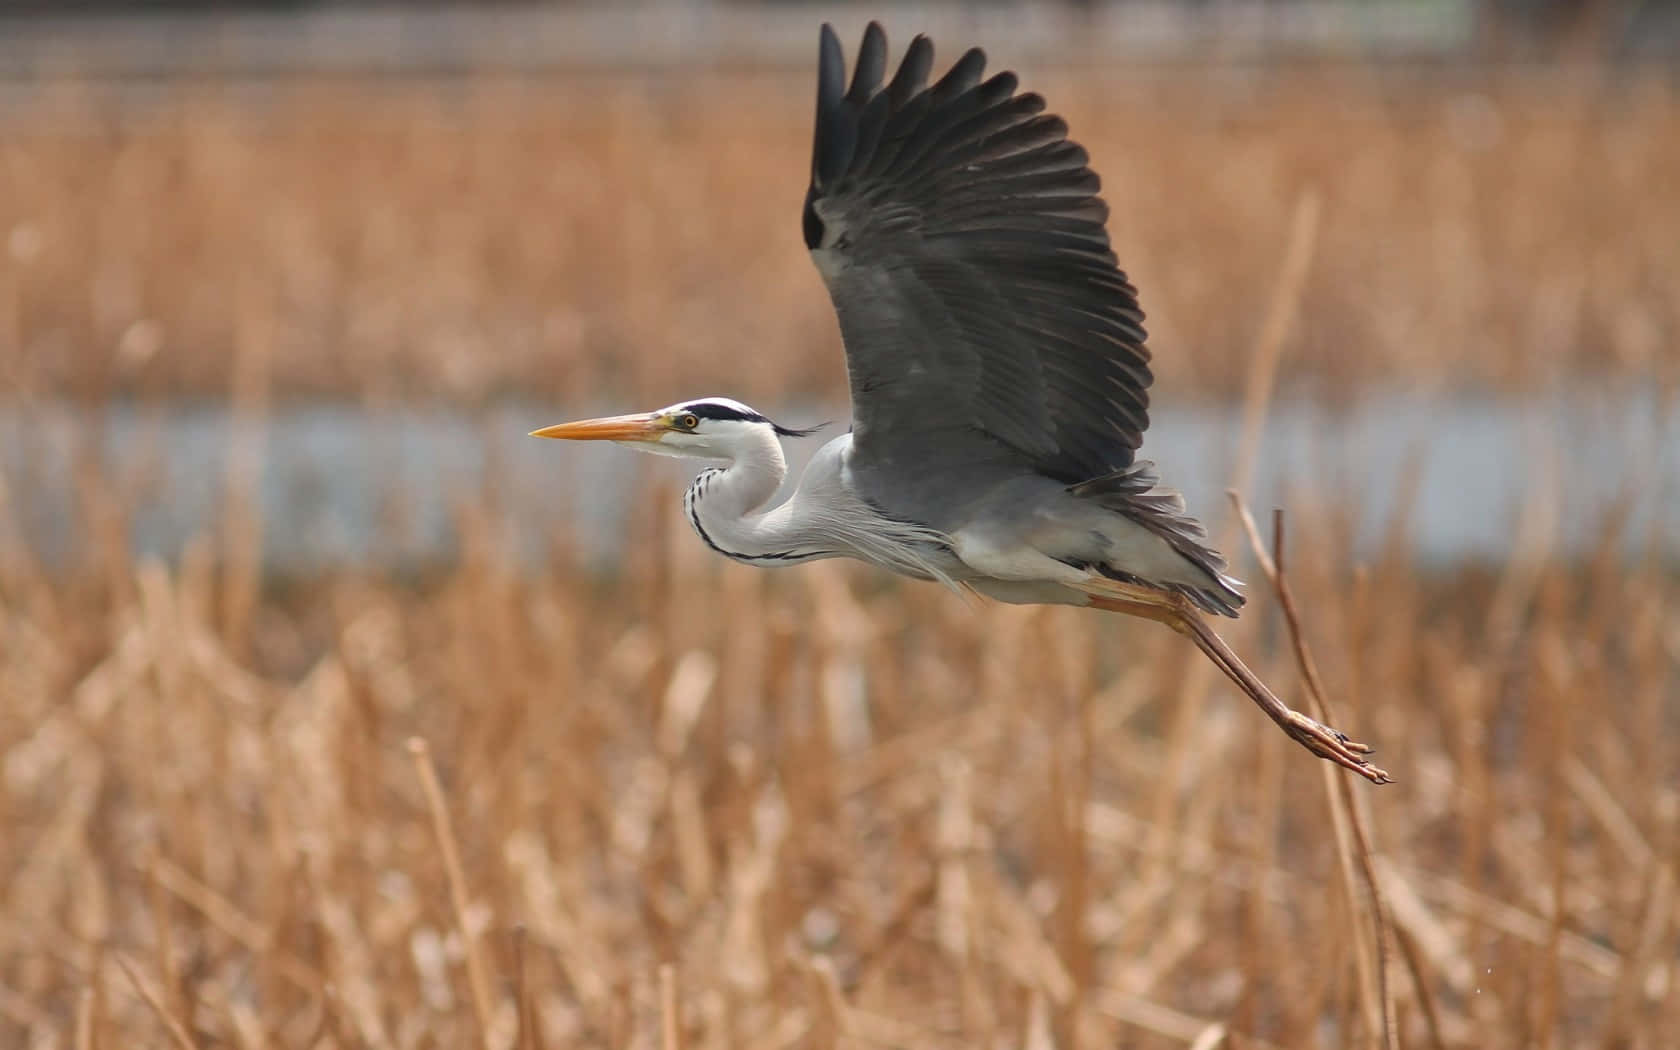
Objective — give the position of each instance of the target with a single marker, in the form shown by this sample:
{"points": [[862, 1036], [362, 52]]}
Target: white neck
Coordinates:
{"points": [[726, 505]]}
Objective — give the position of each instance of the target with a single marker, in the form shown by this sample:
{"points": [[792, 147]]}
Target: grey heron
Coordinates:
{"points": [[998, 374]]}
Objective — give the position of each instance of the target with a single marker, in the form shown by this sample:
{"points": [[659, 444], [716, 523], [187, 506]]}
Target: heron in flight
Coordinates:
{"points": [[998, 372]]}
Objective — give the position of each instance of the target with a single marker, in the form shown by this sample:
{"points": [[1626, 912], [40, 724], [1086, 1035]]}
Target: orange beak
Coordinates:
{"points": [[642, 427]]}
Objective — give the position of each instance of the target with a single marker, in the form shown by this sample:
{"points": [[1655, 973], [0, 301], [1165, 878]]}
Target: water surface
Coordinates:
{"points": [[339, 484]]}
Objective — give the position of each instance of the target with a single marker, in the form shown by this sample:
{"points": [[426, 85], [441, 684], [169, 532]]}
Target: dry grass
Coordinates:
{"points": [[840, 812], [577, 233], [706, 806]]}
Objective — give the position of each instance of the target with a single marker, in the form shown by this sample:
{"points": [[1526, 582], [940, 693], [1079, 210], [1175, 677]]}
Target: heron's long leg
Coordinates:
{"points": [[1317, 737], [1175, 612]]}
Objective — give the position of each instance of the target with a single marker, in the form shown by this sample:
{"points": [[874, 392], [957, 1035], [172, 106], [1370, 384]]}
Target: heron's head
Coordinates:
{"points": [[704, 428]]}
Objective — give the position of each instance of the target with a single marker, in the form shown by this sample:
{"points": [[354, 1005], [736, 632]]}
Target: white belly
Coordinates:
{"points": [[984, 552]]}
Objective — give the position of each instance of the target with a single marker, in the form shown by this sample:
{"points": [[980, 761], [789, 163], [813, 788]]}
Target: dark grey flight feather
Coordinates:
{"points": [[962, 240]]}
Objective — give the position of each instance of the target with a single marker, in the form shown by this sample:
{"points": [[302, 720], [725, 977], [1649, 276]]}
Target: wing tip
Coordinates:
{"points": [[831, 137], [831, 70], [913, 70], [964, 74], [871, 65]]}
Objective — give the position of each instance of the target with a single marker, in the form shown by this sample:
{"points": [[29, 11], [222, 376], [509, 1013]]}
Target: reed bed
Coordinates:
{"points": [[697, 805], [573, 234], [825, 811]]}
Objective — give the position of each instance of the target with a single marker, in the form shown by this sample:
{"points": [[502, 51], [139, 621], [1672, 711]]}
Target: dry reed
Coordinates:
{"points": [[881, 817], [571, 234]]}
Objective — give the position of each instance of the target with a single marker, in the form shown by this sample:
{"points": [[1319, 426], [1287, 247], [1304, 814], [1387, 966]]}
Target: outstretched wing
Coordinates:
{"points": [[961, 237]]}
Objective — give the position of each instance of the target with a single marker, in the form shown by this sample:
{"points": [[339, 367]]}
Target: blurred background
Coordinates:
{"points": [[284, 285]]}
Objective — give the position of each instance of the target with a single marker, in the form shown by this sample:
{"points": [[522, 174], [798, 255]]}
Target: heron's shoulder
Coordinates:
{"points": [[829, 464], [835, 455]]}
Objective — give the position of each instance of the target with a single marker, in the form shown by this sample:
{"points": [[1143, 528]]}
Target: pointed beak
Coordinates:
{"points": [[642, 427]]}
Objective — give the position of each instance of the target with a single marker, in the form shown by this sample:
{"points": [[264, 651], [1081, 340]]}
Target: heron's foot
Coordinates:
{"points": [[1334, 745]]}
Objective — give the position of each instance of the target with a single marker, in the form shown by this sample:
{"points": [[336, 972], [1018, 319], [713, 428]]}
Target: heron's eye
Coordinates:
{"points": [[689, 422]]}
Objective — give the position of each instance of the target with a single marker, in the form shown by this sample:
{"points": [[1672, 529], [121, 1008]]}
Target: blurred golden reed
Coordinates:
{"points": [[575, 234]]}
